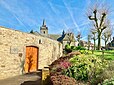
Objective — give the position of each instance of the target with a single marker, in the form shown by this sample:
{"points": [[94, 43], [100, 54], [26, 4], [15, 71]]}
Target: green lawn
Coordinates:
{"points": [[108, 54]]}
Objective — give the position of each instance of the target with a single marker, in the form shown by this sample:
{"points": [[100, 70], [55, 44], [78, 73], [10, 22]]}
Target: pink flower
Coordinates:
{"points": [[65, 64]]}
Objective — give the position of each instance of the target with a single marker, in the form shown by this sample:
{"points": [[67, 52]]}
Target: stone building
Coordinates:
{"points": [[110, 45], [86, 44], [25, 52], [65, 38]]}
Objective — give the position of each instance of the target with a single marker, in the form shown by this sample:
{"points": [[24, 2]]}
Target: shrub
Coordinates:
{"points": [[56, 68], [109, 72], [80, 48], [77, 72], [57, 62], [56, 71], [108, 81], [87, 67], [62, 80], [75, 53], [73, 47], [68, 48], [84, 51], [65, 64], [63, 58]]}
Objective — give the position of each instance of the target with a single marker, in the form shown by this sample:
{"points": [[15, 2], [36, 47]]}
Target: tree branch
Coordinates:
{"points": [[102, 19], [103, 28], [95, 15]]}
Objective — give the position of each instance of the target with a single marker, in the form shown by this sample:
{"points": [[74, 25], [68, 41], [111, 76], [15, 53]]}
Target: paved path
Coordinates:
{"points": [[28, 79]]}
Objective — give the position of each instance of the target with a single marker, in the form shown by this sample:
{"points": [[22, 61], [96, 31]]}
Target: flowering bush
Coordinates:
{"points": [[58, 69], [108, 81], [62, 63], [57, 62], [77, 72], [65, 64], [86, 67], [62, 80], [80, 67]]}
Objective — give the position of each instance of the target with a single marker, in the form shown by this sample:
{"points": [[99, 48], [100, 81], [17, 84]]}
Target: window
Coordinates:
{"points": [[44, 32], [40, 41]]}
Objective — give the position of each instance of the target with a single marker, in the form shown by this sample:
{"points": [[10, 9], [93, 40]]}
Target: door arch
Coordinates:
{"points": [[31, 59]]}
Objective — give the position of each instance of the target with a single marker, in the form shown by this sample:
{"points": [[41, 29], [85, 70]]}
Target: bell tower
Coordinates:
{"points": [[44, 29]]}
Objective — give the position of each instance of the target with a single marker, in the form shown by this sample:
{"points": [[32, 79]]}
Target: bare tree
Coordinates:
{"points": [[70, 37], [100, 22], [94, 37], [107, 35], [78, 38], [89, 37]]}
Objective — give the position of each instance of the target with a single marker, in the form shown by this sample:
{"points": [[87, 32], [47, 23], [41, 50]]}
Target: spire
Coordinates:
{"points": [[63, 32], [44, 23]]}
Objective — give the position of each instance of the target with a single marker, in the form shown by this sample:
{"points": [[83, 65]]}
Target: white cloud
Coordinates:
{"points": [[76, 25]]}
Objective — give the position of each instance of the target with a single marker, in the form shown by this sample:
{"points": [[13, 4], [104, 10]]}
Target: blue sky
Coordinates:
{"points": [[60, 15]]}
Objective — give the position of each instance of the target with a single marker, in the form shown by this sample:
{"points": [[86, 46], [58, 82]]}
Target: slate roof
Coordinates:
{"points": [[51, 36], [54, 36], [60, 39], [66, 38], [57, 37], [37, 33]]}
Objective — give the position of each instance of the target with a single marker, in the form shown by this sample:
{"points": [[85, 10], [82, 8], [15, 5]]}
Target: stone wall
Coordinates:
{"points": [[13, 51]]}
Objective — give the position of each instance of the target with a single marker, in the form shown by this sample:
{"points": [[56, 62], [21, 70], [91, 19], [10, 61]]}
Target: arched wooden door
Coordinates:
{"points": [[31, 60]]}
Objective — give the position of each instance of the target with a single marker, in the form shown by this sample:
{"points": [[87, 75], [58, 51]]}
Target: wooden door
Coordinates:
{"points": [[31, 60]]}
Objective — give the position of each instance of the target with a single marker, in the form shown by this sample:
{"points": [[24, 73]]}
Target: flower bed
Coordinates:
{"points": [[82, 68], [62, 80]]}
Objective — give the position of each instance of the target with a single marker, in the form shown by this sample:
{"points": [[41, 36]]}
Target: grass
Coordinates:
{"points": [[108, 54]]}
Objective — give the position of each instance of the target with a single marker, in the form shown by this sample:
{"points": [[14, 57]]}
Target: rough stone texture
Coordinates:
{"points": [[13, 51]]}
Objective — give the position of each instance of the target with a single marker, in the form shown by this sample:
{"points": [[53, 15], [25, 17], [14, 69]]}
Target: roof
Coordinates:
{"points": [[51, 36], [61, 38], [67, 37], [57, 37], [54, 36], [37, 33]]}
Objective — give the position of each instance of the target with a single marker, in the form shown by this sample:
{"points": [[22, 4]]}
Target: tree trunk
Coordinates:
{"points": [[94, 44], [99, 41], [70, 43], [105, 44]]}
